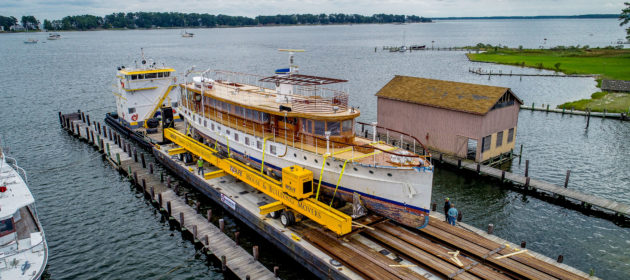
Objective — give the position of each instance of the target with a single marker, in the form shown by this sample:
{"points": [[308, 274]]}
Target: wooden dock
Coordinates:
{"points": [[125, 158], [376, 249], [480, 71], [543, 108], [588, 202]]}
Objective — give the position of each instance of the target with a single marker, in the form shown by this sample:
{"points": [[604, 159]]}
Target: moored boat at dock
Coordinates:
{"points": [[23, 248], [293, 119]]}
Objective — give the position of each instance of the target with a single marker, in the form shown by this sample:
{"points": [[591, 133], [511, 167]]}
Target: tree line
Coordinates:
{"points": [[174, 20]]}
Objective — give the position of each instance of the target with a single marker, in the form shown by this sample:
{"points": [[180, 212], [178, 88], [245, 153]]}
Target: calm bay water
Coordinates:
{"points": [[97, 227]]}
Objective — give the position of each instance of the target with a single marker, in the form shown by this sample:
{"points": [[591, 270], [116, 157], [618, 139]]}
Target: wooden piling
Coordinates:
{"points": [[160, 199], [135, 178], [255, 252], [526, 181], [236, 237], [144, 186], [152, 193], [222, 225], [194, 231], [209, 215], [526, 168], [490, 228], [434, 206], [520, 154], [560, 258], [181, 219], [223, 263], [478, 168], [144, 163], [88, 120], [523, 244], [502, 175], [168, 207], [135, 154], [459, 163], [566, 180], [276, 269], [150, 168]]}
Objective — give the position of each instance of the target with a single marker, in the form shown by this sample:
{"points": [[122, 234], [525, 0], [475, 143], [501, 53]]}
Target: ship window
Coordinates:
{"points": [[265, 117], [235, 136], [247, 141], [346, 125], [238, 110], [205, 123], [320, 127], [140, 76], [371, 172], [160, 75], [226, 107], [6, 226], [174, 104], [294, 155], [248, 114], [132, 110], [333, 127], [499, 138], [212, 126], [307, 125], [256, 115], [167, 74], [510, 135], [316, 161], [259, 145], [272, 149], [134, 77], [150, 75], [227, 132]]}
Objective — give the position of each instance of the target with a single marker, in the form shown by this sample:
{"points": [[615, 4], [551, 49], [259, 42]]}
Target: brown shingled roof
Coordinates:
{"points": [[470, 98]]}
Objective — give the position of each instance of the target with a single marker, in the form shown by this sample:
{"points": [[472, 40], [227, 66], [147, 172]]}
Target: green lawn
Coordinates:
{"points": [[607, 63], [611, 102]]}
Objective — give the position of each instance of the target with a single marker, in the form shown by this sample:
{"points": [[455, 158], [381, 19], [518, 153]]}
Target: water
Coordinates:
{"points": [[97, 227]]}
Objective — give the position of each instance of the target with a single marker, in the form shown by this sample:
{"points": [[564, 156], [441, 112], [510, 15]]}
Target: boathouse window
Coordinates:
{"points": [[333, 127], [320, 127], [485, 143], [132, 110], [510, 135], [499, 138], [272, 149], [346, 125]]}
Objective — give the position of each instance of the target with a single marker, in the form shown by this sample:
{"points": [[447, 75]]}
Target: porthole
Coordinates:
{"points": [[371, 172], [340, 166], [315, 160], [389, 174], [355, 169], [328, 163], [294, 155], [304, 157]]}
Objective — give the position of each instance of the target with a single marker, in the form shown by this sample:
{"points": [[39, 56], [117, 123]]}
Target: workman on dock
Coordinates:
{"points": [[447, 206], [200, 166], [452, 214]]}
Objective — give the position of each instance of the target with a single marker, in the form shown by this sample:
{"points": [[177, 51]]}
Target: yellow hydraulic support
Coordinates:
{"points": [[294, 191], [214, 174], [158, 105], [262, 162], [176, 151]]}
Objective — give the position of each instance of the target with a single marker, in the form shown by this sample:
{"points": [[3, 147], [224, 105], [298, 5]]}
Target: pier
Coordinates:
{"points": [[615, 211], [570, 111], [480, 71], [377, 248]]}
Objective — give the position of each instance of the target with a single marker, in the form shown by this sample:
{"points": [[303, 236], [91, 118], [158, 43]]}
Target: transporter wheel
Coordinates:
{"points": [[275, 214], [287, 218]]}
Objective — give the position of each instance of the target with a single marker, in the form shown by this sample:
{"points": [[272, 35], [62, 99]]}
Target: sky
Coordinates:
{"points": [[51, 9]]}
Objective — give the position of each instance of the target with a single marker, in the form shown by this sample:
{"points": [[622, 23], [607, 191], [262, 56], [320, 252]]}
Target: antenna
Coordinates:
{"points": [[292, 68]]}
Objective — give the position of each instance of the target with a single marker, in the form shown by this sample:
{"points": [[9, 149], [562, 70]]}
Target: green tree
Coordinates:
{"points": [[30, 22], [7, 22], [624, 17], [48, 25]]}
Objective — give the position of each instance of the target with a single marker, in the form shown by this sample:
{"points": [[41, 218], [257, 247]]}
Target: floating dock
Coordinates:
{"points": [[620, 116], [376, 248]]}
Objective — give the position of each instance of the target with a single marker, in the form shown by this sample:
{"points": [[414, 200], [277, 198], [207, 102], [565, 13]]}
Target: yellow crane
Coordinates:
{"points": [[294, 193]]}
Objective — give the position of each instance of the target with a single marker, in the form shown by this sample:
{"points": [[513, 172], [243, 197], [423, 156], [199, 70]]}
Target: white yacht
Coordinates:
{"points": [[23, 248]]}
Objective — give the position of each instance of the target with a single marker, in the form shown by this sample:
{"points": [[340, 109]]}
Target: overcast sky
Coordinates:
{"points": [[51, 9]]}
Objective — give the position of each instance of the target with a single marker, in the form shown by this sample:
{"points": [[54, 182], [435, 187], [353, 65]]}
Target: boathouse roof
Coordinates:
{"points": [[616, 85], [465, 97]]}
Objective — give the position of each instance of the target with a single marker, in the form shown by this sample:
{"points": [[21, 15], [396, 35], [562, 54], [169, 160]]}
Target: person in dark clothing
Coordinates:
{"points": [[447, 206]]}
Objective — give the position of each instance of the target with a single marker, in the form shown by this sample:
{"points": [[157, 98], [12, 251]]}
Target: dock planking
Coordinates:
{"points": [[238, 261]]}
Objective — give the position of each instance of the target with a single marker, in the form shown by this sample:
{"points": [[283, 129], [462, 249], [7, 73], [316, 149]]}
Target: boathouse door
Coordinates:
{"points": [[461, 146]]}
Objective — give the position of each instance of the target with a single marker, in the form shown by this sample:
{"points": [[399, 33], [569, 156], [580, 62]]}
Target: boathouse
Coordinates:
{"points": [[466, 120]]}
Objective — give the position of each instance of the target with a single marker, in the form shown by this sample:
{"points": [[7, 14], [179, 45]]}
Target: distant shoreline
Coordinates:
{"points": [[590, 16]]}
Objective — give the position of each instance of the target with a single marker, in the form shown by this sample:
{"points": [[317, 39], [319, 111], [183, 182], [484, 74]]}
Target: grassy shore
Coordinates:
{"points": [[608, 63]]}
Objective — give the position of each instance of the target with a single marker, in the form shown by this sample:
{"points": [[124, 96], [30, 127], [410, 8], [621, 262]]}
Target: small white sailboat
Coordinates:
{"points": [[187, 34], [54, 36]]}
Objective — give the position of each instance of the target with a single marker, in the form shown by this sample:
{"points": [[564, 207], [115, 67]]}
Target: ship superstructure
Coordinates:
{"points": [[292, 119]]}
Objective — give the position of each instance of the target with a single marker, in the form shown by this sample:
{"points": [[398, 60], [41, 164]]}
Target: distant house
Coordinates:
{"points": [[467, 120], [17, 27], [615, 86]]}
